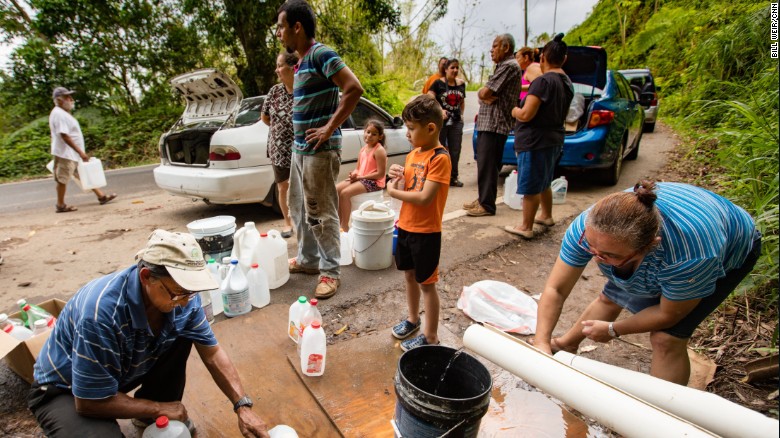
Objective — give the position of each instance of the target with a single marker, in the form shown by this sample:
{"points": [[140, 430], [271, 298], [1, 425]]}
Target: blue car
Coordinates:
{"points": [[610, 127]]}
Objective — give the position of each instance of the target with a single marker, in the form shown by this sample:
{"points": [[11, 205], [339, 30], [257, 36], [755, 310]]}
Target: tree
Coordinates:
{"points": [[624, 8]]}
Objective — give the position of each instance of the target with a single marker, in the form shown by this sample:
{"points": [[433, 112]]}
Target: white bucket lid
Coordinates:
{"points": [[371, 211], [212, 225]]}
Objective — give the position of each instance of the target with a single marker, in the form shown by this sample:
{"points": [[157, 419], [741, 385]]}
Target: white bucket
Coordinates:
{"points": [[373, 236], [360, 199], [214, 235]]}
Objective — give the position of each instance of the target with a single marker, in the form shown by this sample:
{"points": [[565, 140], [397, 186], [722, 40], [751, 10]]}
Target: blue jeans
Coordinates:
{"points": [[313, 202]]}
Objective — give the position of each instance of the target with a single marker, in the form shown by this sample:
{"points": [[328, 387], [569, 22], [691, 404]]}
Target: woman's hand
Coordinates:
{"points": [[596, 330]]}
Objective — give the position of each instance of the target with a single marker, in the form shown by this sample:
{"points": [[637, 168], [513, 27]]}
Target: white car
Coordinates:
{"points": [[217, 152]]}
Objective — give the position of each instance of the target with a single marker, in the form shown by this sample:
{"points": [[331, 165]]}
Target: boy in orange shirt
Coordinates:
{"points": [[422, 185]]}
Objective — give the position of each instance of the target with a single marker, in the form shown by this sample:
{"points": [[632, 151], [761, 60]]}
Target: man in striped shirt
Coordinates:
{"points": [[317, 115], [133, 328]]}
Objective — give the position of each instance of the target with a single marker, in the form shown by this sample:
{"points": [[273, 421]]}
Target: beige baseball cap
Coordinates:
{"points": [[182, 257]]}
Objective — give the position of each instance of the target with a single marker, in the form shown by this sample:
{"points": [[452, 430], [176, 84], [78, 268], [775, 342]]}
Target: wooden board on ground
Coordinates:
{"points": [[357, 387]]}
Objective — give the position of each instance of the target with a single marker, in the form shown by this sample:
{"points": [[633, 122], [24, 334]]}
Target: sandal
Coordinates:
{"points": [[524, 234], [403, 329], [65, 208], [106, 198]]}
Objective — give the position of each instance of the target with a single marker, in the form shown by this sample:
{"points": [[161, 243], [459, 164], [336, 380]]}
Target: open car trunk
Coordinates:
{"points": [[586, 66], [190, 147]]}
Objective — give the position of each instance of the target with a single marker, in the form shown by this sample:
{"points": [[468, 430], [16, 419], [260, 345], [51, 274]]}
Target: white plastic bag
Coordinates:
{"points": [[576, 108], [501, 305]]}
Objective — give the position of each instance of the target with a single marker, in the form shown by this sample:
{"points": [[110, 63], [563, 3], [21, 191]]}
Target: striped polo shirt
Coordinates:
{"points": [[703, 236], [316, 97], [102, 340]]}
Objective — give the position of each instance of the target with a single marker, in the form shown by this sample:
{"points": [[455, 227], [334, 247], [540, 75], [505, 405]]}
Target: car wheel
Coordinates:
{"points": [[634, 152], [649, 127], [611, 175]]}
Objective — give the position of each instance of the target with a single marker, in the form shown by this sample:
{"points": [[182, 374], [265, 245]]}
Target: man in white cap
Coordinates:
{"points": [[67, 146], [134, 328]]}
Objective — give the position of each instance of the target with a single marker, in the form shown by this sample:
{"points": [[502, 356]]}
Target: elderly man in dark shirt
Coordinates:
{"points": [[494, 123]]}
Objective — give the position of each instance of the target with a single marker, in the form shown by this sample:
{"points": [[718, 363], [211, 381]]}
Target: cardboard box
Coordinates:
{"points": [[20, 355]]}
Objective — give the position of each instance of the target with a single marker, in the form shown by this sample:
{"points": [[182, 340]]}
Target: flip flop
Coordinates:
{"points": [[546, 223], [524, 234], [287, 233], [106, 198], [65, 208]]}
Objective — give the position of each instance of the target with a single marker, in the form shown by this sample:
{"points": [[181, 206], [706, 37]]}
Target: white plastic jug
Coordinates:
{"points": [[309, 316], [346, 249], [216, 295], [165, 428], [313, 346], [91, 174], [282, 431], [19, 332], [259, 295], [207, 304], [235, 292], [271, 255], [559, 188], [511, 198], [294, 318], [245, 243]]}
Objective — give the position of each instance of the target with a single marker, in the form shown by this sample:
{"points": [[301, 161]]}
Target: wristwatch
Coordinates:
{"points": [[243, 401], [611, 330]]}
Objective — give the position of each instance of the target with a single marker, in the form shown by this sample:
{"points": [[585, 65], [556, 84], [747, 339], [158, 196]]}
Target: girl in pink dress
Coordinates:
{"points": [[370, 173]]}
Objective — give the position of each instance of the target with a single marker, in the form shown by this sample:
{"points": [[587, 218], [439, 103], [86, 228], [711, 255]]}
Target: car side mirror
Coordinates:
{"points": [[646, 98], [398, 122]]}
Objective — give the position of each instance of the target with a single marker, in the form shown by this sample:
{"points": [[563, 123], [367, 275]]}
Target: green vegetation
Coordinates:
{"points": [[718, 87]]}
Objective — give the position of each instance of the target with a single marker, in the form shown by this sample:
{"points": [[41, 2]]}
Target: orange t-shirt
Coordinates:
{"points": [[422, 166], [431, 79]]}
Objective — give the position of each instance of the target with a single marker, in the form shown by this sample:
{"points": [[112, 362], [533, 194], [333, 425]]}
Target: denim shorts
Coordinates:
{"points": [[535, 169]]}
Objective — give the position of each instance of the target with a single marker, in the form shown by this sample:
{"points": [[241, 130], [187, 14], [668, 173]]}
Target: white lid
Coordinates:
{"points": [[212, 225], [40, 323], [3, 317], [371, 211]]}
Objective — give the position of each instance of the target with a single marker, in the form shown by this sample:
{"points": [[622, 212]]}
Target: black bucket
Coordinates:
{"points": [[428, 407]]}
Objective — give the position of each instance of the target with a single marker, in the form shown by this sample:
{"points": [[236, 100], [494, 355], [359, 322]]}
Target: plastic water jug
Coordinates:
{"points": [[310, 315], [294, 317], [91, 174], [313, 346], [559, 188], [282, 431], [235, 292], [511, 198], [19, 332], [259, 295], [271, 255], [5, 320], [165, 428], [215, 294], [346, 249], [207, 304], [244, 245]]}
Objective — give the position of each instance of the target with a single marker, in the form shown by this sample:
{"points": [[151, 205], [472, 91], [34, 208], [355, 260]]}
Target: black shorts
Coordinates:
{"points": [[281, 174], [419, 251]]}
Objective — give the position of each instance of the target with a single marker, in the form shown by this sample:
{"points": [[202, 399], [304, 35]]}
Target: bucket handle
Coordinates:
{"points": [[361, 251], [379, 206], [452, 429]]}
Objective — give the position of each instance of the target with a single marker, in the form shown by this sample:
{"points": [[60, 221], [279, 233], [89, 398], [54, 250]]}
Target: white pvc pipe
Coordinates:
{"points": [[620, 411], [709, 411]]}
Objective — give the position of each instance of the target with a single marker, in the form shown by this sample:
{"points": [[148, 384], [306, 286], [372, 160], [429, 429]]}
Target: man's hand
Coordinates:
{"points": [[396, 171], [250, 424], [172, 410], [596, 330], [84, 156], [320, 135]]}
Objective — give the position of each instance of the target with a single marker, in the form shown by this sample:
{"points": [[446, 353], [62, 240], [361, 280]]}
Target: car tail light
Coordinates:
{"points": [[224, 153], [589, 156], [600, 117], [654, 102]]}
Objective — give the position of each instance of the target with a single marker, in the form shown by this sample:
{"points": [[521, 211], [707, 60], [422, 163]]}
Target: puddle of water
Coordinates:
{"points": [[519, 413]]}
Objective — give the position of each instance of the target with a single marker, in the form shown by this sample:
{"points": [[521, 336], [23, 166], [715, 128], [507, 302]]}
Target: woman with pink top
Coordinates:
{"points": [[531, 70], [370, 173]]}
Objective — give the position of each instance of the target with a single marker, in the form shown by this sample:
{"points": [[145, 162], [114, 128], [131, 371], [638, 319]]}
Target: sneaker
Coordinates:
{"points": [[470, 205], [327, 287], [479, 211], [403, 329], [295, 268], [417, 341]]}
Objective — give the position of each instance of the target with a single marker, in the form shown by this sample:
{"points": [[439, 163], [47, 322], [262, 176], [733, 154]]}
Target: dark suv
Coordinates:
{"points": [[643, 84]]}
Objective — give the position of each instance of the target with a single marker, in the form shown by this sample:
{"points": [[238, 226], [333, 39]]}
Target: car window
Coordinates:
{"points": [[363, 113], [624, 89], [586, 90], [249, 113]]}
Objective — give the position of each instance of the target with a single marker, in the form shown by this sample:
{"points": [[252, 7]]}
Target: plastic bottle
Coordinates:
{"points": [[235, 292], [21, 303], [34, 313], [346, 249], [311, 315], [559, 188], [245, 242], [294, 318], [313, 346], [259, 294], [18, 331], [5, 320], [224, 268], [214, 294], [165, 428], [511, 198], [40, 326], [271, 254], [208, 305]]}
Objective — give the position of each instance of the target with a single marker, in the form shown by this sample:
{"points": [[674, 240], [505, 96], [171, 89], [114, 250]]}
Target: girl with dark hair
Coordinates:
{"points": [[671, 254], [450, 92]]}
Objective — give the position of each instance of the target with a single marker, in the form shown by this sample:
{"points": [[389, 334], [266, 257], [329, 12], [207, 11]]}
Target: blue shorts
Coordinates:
{"points": [[535, 169]]}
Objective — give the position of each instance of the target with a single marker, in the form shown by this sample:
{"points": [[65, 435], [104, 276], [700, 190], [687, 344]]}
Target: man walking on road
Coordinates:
{"points": [[494, 123], [317, 115], [67, 146]]}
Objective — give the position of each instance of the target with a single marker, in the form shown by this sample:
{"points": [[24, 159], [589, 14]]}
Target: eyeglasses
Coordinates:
{"points": [[188, 296], [604, 258]]}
